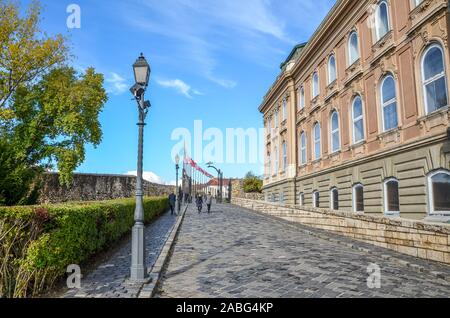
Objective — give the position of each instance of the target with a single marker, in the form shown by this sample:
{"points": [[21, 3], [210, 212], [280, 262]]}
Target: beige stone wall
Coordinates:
{"points": [[95, 187], [415, 238], [410, 166], [237, 191]]}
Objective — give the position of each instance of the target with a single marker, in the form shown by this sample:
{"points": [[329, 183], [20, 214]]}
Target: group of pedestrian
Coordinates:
{"points": [[199, 200]]}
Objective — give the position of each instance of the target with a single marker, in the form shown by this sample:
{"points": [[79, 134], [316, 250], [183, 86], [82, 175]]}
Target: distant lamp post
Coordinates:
{"points": [[220, 176], [138, 256], [177, 167]]}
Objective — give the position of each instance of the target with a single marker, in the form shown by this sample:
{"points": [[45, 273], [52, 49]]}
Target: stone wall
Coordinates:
{"points": [[409, 165], [237, 191], [95, 187], [425, 240]]}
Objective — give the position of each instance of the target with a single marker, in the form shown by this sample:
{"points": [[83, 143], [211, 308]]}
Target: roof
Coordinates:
{"points": [[295, 52], [299, 50], [215, 182]]}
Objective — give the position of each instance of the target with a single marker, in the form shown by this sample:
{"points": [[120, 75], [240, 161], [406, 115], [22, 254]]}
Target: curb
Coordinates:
{"points": [[149, 289], [415, 267]]}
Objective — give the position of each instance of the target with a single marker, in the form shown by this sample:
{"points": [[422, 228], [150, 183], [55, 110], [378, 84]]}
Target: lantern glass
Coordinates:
{"points": [[141, 71]]}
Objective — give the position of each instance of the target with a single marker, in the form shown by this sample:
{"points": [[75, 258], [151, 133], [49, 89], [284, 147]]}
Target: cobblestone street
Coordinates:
{"points": [[109, 278], [234, 252]]}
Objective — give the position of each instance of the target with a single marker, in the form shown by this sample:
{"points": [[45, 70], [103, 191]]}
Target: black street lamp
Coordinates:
{"points": [[177, 167], [138, 256], [220, 176]]}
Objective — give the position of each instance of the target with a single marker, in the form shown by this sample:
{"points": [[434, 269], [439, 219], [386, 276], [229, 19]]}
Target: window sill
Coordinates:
{"points": [[433, 114], [358, 144], [392, 214], [389, 132]]}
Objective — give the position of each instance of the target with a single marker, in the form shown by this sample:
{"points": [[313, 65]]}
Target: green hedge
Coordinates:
{"points": [[37, 243]]}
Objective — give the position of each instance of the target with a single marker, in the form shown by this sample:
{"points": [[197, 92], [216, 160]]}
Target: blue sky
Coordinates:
{"points": [[212, 60]]}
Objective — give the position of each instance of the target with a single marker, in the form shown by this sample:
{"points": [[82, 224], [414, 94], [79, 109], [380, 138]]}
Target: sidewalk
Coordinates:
{"points": [[110, 278]]}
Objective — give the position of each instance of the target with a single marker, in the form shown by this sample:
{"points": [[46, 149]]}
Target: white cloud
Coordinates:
{"points": [[148, 176], [153, 177], [180, 86], [203, 36], [117, 85]]}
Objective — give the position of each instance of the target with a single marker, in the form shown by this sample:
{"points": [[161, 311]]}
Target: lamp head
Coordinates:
{"points": [[142, 71]]}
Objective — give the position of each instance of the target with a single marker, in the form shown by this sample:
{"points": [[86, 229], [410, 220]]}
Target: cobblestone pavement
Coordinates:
{"points": [[109, 279], [237, 253]]}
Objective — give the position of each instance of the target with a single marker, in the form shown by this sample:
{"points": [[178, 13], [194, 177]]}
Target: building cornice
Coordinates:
{"points": [[339, 11]]}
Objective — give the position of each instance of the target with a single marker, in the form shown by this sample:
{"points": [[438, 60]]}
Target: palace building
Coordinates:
{"points": [[358, 119]]}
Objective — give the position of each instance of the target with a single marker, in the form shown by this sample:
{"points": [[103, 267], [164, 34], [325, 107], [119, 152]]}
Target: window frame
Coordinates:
{"points": [[317, 141], [385, 195], [332, 132], [301, 199], [332, 57], [430, 193], [303, 147], [314, 85], [355, 186], [315, 201], [349, 48], [354, 120], [285, 155], [377, 21], [301, 98], [332, 190], [389, 102], [425, 82]]}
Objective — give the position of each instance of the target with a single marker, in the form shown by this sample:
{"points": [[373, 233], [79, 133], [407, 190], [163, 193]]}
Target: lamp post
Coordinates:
{"points": [[177, 167], [138, 258], [220, 174]]}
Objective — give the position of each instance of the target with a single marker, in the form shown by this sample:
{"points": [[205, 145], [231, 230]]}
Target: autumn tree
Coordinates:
{"points": [[252, 183], [48, 111]]}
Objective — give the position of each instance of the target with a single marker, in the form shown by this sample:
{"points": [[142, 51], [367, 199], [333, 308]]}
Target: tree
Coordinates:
{"points": [[252, 183], [48, 111]]}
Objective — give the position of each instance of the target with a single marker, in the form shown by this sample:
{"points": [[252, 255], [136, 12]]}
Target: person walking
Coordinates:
{"points": [[199, 202], [172, 202], [209, 202]]}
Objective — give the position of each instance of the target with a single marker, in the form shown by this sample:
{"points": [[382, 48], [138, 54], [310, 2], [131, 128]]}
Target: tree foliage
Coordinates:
{"points": [[48, 111], [252, 183]]}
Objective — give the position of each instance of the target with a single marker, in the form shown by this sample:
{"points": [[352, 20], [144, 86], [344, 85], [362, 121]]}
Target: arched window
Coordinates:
{"points": [[335, 134], [334, 198], [276, 119], [331, 69], [303, 159], [315, 85], [317, 142], [285, 163], [389, 103], [284, 109], [316, 199], [301, 199], [439, 192], [353, 48], [434, 79], [382, 26], [358, 197], [301, 98], [358, 120], [276, 154], [391, 197]]}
